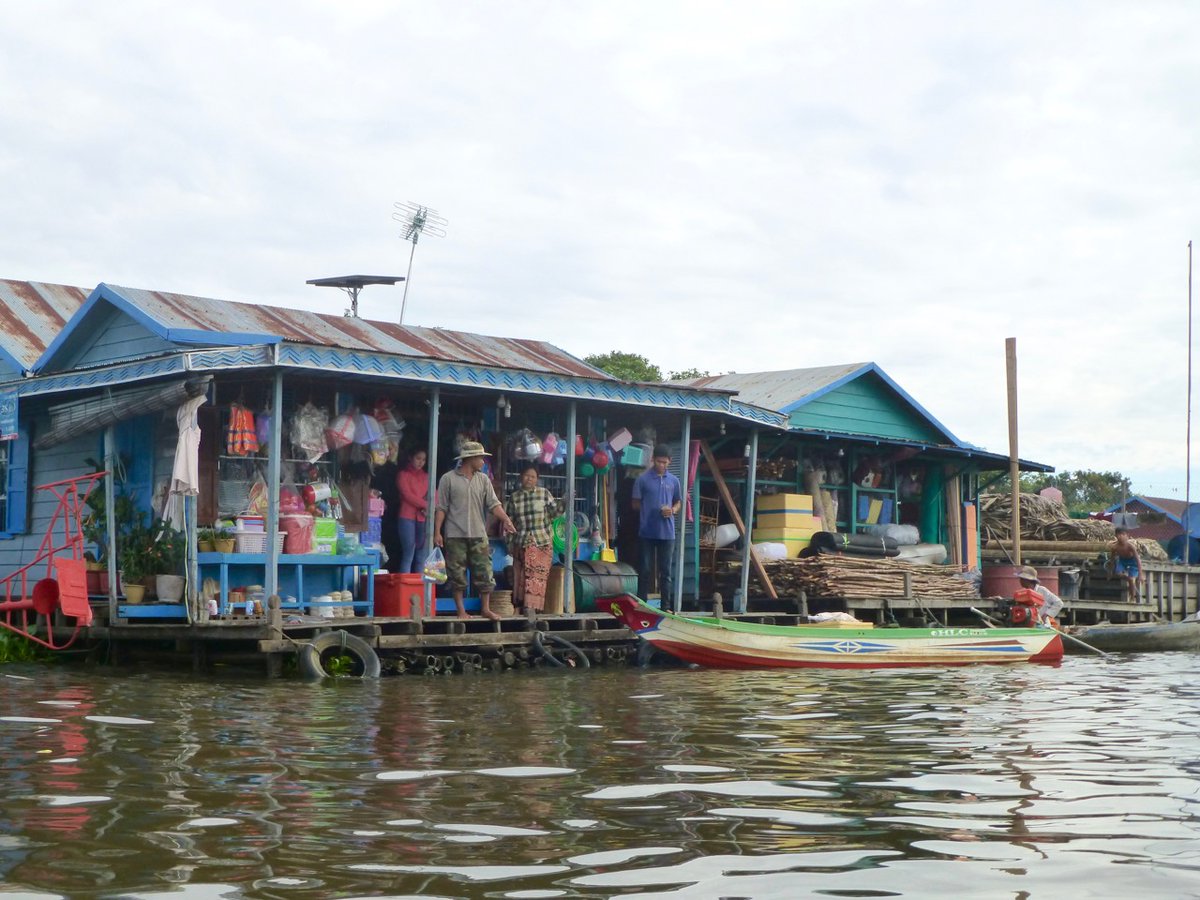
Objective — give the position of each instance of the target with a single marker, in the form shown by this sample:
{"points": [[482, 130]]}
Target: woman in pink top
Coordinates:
{"points": [[413, 484]]}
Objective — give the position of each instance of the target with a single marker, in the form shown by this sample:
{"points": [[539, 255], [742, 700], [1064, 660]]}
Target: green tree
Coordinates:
{"points": [[626, 366], [687, 375]]}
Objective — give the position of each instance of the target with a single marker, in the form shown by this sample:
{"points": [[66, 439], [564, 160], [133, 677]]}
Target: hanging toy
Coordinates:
{"points": [[549, 447]]}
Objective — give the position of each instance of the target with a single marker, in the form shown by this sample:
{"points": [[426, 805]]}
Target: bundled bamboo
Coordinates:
{"points": [[867, 578], [1042, 519]]}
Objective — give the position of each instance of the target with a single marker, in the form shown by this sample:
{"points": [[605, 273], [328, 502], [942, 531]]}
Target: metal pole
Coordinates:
{"points": [[748, 519], [110, 520], [435, 406], [1187, 490], [681, 532], [274, 458], [407, 279], [569, 516]]}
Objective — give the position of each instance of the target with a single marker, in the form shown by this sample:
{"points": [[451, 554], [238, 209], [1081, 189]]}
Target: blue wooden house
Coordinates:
{"points": [[94, 378]]}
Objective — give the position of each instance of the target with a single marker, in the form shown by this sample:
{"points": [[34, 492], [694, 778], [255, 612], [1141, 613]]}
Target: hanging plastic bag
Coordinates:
{"points": [[240, 437], [307, 433], [380, 451], [435, 567], [367, 429], [262, 428], [549, 447], [340, 432]]}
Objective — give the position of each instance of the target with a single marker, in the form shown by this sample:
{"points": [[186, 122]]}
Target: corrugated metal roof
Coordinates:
{"points": [[179, 311], [32, 314], [778, 390]]}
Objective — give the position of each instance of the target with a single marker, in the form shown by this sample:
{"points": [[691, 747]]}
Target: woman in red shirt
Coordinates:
{"points": [[413, 484]]}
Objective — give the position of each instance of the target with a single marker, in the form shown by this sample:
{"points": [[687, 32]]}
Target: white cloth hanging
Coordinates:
{"points": [[185, 476]]}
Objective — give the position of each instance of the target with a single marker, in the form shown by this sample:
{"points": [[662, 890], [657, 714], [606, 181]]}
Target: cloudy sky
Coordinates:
{"points": [[734, 187]]}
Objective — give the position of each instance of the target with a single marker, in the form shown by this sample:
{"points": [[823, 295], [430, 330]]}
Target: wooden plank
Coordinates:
{"points": [[727, 498]]}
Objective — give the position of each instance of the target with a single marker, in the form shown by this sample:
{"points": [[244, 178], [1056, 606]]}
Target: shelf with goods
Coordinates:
{"points": [[325, 571]]}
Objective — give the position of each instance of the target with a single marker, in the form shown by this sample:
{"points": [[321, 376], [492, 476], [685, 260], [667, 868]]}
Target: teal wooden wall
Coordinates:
{"points": [[115, 337], [868, 406]]}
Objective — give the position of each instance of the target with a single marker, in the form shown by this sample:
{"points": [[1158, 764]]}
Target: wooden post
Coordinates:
{"points": [[569, 516], [685, 456], [427, 589], [110, 521], [1014, 464], [274, 464], [731, 508]]}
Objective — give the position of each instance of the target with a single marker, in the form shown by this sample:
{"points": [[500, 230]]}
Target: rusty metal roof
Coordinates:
{"points": [[183, 312], [32, 314]]}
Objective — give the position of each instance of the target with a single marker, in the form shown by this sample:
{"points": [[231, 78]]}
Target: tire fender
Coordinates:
{"points": [[309, 657]]}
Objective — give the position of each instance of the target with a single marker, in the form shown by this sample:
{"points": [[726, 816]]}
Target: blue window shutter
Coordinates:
{"points": [[18, 483]]}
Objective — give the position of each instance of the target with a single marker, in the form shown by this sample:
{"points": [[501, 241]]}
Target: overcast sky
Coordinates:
{"points": [[735, 187]]}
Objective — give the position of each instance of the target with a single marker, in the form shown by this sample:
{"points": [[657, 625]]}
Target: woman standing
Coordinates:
{"points": [[531, 508], [413, 484]]}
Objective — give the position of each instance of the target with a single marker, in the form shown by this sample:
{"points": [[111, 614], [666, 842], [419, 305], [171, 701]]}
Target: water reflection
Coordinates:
{"points": [[640, 783]]}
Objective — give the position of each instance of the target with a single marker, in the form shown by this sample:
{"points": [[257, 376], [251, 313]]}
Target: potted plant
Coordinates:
{"points": [[169, 553], [204, 540], [223, 539], [132, 560]]}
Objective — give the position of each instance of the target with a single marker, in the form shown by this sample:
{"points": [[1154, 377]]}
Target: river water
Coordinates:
{"points": [[1028, 781]]}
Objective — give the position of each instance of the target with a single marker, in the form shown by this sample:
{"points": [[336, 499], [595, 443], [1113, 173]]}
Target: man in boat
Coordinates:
{"points": [[1123, 560], [657, 498], [1051, 603]]}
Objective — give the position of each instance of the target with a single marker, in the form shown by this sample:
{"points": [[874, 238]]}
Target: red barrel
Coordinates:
{"points": [[1002, 581]]}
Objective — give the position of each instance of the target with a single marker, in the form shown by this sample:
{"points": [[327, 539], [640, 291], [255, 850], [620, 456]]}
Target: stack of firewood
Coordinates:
{"points": [[1042, 519], [866, 578]]}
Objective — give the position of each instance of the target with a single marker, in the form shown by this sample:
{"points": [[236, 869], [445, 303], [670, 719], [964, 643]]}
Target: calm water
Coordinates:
{"points": [[1078, 781]]}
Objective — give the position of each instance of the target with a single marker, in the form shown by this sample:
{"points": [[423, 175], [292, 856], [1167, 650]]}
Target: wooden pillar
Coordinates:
{"points": [[1014, 465], [274, 458], [569, 514], [748, 519], [681, 532], [110, 521], [435, 408]]}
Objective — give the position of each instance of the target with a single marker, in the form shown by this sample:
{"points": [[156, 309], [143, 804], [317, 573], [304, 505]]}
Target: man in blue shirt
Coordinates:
{"points": [[657, 497]]}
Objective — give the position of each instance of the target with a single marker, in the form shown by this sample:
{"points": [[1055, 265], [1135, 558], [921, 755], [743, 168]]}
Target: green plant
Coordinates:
{"points": [[223, 534], [169, 550], [338, 666], [16, 649], [206, 534]]}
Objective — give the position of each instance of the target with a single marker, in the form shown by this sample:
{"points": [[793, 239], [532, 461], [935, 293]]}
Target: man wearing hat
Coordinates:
{"points": [[465, 497], [1051, 603]]}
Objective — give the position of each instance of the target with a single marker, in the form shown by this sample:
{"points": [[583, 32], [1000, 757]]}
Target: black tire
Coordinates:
{"points": [[338, 643], [580, 656]]}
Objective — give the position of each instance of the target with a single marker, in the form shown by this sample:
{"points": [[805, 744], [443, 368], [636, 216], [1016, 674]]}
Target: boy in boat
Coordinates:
{"points": [[1051, 603], [1123, 560]]}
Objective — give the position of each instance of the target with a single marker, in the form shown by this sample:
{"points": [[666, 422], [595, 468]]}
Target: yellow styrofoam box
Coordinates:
{"points": [[781, 534], [770, 519], [801, 503]]}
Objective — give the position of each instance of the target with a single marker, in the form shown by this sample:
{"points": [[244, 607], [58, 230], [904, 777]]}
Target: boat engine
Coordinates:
{"points": [[1021, 611]]}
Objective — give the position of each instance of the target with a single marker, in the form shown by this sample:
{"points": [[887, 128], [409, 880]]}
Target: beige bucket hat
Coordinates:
{"points": [[470, 449]]}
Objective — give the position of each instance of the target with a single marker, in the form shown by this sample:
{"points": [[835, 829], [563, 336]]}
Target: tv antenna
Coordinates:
{"points": [[417, 220]]}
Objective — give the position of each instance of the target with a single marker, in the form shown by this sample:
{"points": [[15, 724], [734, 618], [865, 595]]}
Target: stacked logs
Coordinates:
{"points": [[867, 578], [1042, 519]]}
